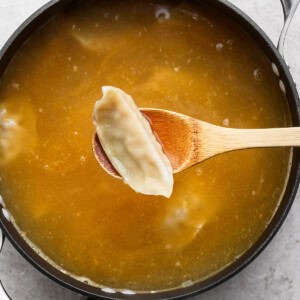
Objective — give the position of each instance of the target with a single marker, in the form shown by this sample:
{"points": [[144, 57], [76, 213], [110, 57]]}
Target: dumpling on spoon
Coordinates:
{"points": [[130, 144]]}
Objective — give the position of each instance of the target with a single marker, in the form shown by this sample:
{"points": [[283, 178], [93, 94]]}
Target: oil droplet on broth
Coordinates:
{"points": [[257, 74], [219, 47]]}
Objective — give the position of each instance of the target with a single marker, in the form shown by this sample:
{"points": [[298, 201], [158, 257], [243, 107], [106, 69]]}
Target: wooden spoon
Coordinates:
{"points": [[187, 141]]}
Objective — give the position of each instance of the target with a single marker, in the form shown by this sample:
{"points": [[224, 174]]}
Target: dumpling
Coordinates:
{"points": [[17, 129], [130, 144]]}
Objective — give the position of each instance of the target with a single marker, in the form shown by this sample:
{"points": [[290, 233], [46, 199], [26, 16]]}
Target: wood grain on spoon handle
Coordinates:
{"points": [[268, 137], [210, 140]]}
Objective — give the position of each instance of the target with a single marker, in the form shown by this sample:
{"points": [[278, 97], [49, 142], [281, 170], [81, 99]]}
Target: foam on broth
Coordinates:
{"points": [[170, 56]]}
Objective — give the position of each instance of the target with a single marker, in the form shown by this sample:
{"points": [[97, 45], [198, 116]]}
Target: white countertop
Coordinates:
{"points": [[274, 275]]}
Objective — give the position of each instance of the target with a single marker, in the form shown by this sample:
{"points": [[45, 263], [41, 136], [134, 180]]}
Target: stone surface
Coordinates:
{"points": [[274, 275]]}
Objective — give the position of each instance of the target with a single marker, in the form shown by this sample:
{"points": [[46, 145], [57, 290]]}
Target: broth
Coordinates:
{"points": [[173, 56]]}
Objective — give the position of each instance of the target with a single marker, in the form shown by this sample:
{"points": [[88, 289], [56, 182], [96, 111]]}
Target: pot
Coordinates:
{"points": [[287, 85]]}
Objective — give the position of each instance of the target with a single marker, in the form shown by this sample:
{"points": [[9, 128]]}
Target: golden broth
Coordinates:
{"points": [[175, 57]]}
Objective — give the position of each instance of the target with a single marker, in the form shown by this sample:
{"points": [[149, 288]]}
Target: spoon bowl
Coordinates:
{"points": [[163, 123]]}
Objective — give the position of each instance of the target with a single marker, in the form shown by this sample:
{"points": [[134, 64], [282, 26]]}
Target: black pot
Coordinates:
{"points": [[40, 17]]}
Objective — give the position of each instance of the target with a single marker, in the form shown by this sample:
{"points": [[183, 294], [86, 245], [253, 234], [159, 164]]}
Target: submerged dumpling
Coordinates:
{"points": [[130, 144], [17, 129]]}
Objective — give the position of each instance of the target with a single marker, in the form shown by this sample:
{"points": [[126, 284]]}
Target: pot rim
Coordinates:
{"points": [[263, 41]]}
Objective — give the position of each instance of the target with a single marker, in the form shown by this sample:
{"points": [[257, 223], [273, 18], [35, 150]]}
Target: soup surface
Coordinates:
{"points": [[172, 56]]}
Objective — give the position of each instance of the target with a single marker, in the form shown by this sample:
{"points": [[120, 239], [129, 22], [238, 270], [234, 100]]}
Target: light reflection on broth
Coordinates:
{"points": [[170, 56]]}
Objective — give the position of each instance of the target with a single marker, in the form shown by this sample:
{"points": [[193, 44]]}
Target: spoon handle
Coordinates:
{"points": [[210, 140], [227, 139]]}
